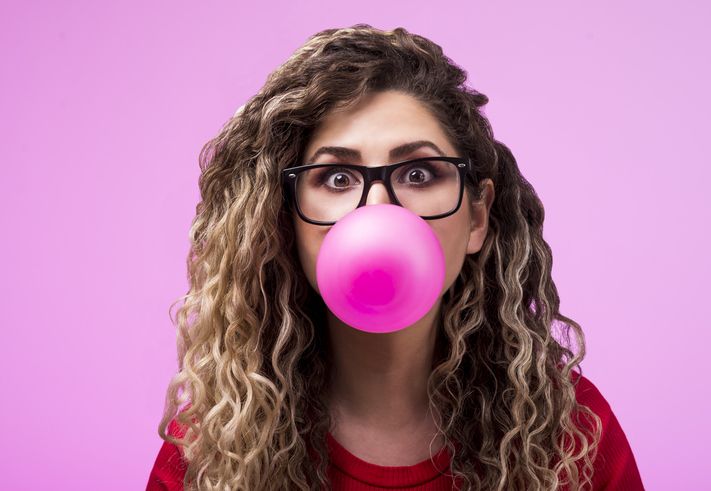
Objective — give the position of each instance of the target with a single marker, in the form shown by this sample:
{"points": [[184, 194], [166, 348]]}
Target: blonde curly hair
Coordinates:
{"points": [[252, 347]]}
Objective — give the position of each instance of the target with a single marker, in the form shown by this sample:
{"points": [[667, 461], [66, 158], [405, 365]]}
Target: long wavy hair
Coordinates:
{"points": [[252, 342]]}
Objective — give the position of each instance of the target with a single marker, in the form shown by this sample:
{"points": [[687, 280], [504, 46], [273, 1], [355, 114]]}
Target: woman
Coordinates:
{"points": [[276, 392]]}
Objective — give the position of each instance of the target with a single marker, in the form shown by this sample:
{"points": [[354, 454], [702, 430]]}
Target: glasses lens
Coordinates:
{"points": [[426, 188]]}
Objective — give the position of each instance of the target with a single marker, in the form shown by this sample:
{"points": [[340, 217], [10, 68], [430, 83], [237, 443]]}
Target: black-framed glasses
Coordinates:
{"points": [[430, 187]]}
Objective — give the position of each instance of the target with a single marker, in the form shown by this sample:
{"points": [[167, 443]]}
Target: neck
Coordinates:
{"points": [[379, 380]]}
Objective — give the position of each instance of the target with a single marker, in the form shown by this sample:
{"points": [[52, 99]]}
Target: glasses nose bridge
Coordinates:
{"points": [[379, 173], [372, 174]]}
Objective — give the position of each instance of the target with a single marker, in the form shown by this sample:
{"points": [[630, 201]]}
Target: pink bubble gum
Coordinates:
{"points": [[380, 268]]}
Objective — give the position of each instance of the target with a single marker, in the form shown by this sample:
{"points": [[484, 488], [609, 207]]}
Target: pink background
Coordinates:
{"points": [[105, 106]]}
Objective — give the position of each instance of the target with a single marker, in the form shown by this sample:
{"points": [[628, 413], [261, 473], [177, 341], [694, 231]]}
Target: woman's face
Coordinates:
{"points": [[379, 123]]}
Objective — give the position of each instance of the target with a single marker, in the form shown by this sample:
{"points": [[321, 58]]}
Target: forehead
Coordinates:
{"points": [[378, 123]]}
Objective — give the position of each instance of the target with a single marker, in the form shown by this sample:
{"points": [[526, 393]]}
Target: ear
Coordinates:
{"points": [[479, 211]]}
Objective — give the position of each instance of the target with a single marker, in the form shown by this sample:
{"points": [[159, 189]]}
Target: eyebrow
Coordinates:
{"points": [[396, 153]]}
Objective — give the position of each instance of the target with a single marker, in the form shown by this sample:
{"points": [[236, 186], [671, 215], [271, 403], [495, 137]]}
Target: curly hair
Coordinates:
{"points": [[252, 347]]}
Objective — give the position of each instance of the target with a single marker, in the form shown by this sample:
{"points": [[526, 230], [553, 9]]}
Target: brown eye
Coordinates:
{"points": [[418, 174], [342, 178]]}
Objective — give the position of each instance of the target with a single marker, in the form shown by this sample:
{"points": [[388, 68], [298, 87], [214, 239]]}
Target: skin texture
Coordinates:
{"points": [[379, 398]]}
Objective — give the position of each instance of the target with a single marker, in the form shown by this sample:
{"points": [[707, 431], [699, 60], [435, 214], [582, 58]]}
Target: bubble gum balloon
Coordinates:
{"points": [[380, 268]]}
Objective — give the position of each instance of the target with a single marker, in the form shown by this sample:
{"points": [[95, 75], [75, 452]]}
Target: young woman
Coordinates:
{"points": [[276, 392]]}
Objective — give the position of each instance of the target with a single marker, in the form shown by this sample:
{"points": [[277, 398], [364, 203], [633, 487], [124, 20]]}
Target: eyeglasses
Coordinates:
{"points": [[430, 187]]}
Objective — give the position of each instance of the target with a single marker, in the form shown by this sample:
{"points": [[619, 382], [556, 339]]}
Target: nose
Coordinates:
{"points": [[377, 194]]}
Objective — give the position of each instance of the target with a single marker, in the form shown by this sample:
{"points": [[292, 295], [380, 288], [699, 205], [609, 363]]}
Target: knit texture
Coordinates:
{"points": [[615, 466]]}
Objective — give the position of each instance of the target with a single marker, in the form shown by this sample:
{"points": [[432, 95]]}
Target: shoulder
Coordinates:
{"points": [[168, 470], [175, 429], [588, 394], [169, 467], [615, 464]]}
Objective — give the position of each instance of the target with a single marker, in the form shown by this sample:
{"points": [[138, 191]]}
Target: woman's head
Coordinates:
{"points": [[253, 355], [380, 123]]}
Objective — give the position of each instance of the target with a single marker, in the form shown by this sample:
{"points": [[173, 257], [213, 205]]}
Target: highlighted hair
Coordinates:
{"points": [[252, 341]]}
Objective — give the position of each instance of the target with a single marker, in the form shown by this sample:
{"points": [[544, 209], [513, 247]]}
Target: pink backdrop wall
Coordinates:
{"points": [[105, 106]]}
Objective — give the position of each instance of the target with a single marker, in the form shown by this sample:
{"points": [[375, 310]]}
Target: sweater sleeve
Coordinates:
{"points": [[615, 465], [169, 468]]}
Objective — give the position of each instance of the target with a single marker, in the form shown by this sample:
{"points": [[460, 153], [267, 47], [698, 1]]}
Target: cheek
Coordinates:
{"points": [[308, 243], [453, 240]]}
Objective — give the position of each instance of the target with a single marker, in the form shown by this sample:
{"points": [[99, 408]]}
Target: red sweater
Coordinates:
{"points": [[615, 466]]}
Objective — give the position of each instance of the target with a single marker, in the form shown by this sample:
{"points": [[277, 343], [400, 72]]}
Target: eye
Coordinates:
{"points": [[418, 174], [342, 177]]}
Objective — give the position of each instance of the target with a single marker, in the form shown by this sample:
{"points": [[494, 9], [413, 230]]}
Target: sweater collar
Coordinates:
{"points": [[378, 475]]}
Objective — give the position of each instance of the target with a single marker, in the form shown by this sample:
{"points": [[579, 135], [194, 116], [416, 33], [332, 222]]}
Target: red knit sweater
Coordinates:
{"points": [[615, 466]]}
